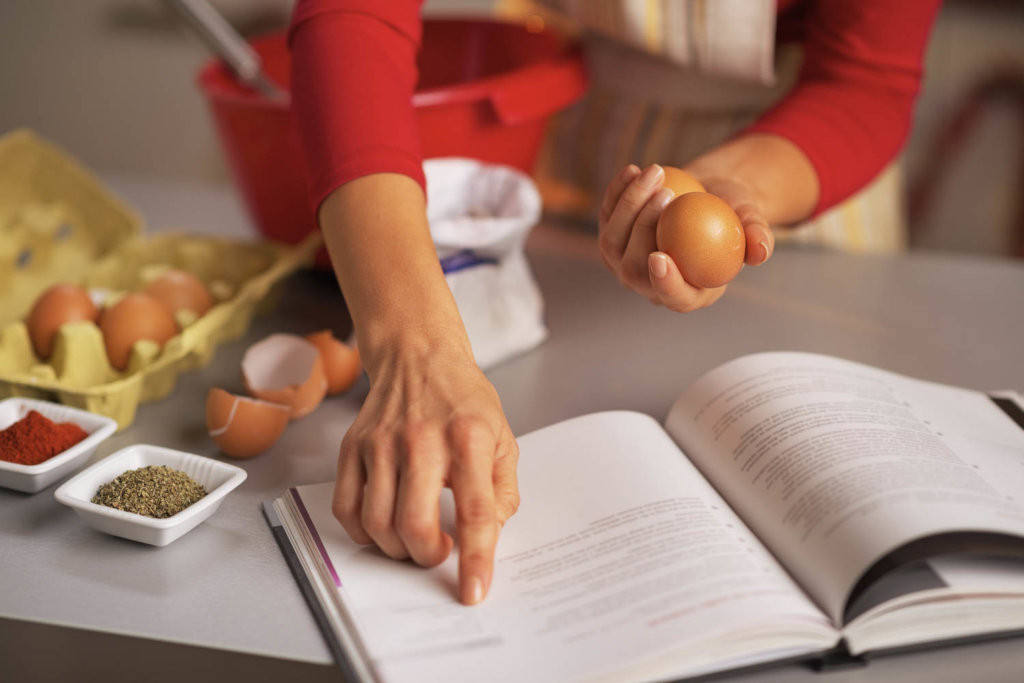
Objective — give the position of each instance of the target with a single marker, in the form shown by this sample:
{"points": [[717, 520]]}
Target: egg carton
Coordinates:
{"points": [[59, 224]]}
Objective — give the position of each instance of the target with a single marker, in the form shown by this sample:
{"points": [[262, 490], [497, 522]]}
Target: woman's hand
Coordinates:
{"points": [[431, 420], [628, 223]]}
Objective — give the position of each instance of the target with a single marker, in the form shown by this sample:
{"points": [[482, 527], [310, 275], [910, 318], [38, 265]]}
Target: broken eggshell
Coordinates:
{"points": [[241, 426], [341, 361], [286, 369]]}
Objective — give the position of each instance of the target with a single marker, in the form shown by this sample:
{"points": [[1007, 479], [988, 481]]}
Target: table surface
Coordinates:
{"points": [[225, 589]]}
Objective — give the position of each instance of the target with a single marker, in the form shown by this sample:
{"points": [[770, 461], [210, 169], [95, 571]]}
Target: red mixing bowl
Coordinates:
{"points": [[486, 91]]}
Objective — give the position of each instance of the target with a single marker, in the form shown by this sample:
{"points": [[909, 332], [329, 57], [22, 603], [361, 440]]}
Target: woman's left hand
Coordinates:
{"points": [[628, 224]]}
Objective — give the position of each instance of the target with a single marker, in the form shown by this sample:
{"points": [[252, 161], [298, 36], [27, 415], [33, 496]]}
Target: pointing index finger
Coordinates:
{"points": [[476, 521]]}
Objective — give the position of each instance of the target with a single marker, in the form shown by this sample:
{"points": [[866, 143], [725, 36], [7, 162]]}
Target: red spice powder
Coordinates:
{"points": [[36, 438]]}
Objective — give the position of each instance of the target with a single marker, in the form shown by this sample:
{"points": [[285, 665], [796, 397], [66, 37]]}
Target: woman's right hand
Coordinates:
{"points": [[431, 420]]}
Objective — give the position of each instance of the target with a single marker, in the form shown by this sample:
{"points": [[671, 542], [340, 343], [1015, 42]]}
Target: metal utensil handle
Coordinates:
{"points": [[223, 40]]}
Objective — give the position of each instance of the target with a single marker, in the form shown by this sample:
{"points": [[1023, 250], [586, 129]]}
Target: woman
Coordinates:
{"points": [[431, 418]]}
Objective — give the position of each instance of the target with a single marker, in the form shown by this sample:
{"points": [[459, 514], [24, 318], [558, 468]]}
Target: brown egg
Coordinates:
{"points": [[704, 237], [132, 318], [681, 182], [341, 362], [179, 289], [286, 369], [63, 303], [241, 426]]}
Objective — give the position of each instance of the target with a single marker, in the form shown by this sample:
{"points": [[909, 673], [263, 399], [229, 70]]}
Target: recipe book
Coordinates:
{"points": [[792, 507]]}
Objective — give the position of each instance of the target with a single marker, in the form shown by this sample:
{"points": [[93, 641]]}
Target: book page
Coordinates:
{"points": [[950, 597], [833, 464], [620, 554]]}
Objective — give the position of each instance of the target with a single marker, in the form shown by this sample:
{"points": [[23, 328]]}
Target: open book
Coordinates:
{"points": [[793, 505]]}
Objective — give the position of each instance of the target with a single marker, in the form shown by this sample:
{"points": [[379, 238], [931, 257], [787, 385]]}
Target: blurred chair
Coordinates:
{"points": [[1000, 87]]}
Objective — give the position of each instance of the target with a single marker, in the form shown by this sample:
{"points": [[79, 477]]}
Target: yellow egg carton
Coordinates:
{"points": [[59, 224]]}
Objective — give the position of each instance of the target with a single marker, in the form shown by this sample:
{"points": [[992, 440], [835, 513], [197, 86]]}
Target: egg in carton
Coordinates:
{"points": [[59, 224]]}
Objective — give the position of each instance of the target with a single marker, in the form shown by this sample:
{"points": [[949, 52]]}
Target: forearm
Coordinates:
{"points": [[852, 107], [431, 419], [779, 175], [377, 234]]}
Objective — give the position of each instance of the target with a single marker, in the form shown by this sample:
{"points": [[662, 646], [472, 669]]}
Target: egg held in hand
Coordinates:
{"points": [[705, 238], [60, 304], [133, 318], [680, 182]]}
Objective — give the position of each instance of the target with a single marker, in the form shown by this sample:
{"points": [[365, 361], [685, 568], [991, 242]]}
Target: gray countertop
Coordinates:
{"points": [[225, 588]]}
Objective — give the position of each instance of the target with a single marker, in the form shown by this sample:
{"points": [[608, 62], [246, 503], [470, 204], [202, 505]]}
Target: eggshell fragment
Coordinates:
{"points": [[241, 426], [341, 362], [60, 304], [134, 317], [705, 238], [181, 290], [680, 182], [286, 369]]}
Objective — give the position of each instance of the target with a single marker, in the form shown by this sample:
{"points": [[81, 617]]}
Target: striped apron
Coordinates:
{"points": [[670, 80]]}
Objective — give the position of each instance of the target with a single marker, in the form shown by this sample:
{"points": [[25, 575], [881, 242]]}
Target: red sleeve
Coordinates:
{"points": [[851, 109], [353, 77]]}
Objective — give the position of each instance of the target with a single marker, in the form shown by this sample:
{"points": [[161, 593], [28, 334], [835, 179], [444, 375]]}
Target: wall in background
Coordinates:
{"points": [[979, 188], [110, 80]]}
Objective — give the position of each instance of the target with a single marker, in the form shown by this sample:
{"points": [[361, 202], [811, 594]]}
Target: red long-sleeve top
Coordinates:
{"points": [[354, 72]]}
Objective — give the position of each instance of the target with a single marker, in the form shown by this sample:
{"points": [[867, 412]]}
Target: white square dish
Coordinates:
{"points": [[218, 478], [33, 478]]}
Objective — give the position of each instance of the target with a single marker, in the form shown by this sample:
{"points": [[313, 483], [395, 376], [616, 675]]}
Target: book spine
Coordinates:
{"points": [[1011, 407], [838, 658], [277, 529]]}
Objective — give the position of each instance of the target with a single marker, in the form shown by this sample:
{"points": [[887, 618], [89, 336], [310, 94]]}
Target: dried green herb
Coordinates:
{"points": [[153, 491]]}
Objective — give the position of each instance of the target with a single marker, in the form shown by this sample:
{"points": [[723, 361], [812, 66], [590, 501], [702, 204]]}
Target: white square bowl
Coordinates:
{"points": [[218, 478], [32, 478]]}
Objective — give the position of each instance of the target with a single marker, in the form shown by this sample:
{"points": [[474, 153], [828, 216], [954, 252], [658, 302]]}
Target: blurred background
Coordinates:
{"points": [[113, 82]]}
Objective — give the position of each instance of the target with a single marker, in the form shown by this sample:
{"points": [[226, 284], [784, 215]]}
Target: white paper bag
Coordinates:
{"points": [[479, 217]]}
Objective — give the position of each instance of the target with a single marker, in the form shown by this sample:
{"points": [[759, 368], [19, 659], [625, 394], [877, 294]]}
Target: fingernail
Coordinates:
{"points": [[664, 196], [659, 265], [764, 249], [474, 592], [651, 175]]}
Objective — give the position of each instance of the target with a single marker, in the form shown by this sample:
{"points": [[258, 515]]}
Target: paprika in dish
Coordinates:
{"points": [[36, 438]]}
